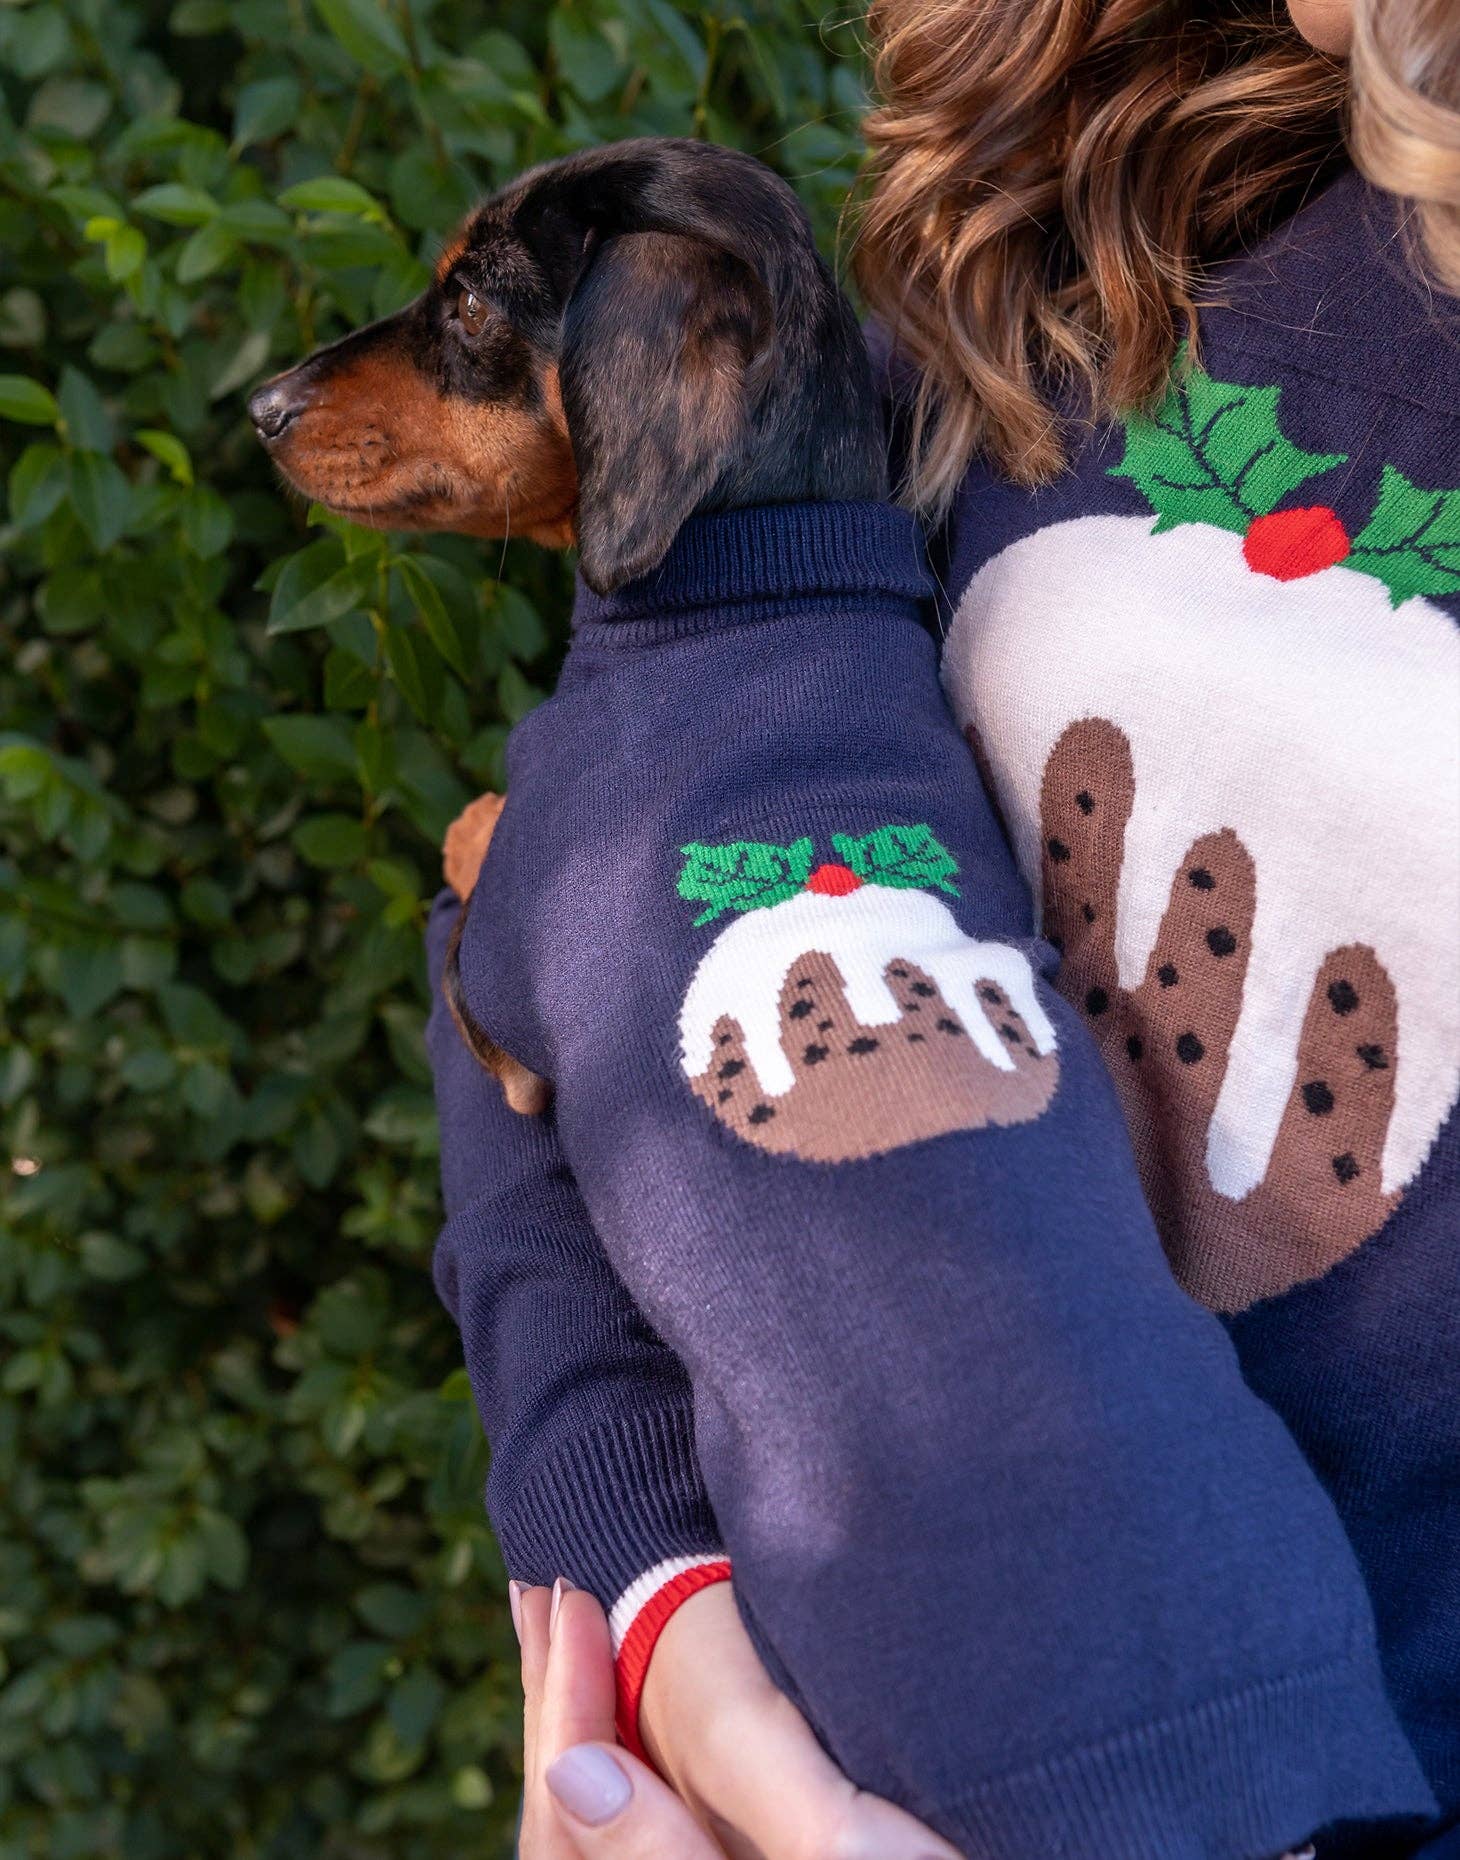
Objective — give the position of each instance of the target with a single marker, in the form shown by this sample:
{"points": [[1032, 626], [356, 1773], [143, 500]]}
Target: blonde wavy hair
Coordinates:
{"points": [[1051, 179]]}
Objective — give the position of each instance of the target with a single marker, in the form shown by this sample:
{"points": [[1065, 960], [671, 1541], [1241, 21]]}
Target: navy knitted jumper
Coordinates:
{"points": [[1005, 1519]]}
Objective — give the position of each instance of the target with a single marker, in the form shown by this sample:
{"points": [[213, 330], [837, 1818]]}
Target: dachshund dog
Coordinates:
{"points": [[615, 342]]}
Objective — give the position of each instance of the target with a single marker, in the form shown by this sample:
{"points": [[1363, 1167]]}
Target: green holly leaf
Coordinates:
{"points": [[746, 875], [907, 858], [1412, 541], [1214, 453]]}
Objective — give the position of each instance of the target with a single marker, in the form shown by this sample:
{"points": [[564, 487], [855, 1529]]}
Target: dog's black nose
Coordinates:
{"points": [[273, 406]]}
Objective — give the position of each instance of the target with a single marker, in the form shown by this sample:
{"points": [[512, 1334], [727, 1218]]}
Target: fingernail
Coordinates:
{"points": [[560, 1588], [514, 1602], [589, 1784]]}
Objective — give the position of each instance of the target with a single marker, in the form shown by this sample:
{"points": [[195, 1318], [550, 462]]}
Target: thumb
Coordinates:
{"points": [[613, 1807]]}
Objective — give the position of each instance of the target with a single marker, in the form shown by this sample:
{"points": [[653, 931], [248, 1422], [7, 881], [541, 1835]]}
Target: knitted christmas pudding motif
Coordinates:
{"points": [[1216, 454], [1223, 738], [843, 1013]]}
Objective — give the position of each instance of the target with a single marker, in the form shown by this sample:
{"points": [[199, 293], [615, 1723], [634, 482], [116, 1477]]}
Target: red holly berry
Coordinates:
{"points": [[833, 881], [1292, 543]]}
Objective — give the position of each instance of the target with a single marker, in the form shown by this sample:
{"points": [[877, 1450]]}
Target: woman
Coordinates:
{"points": [[1207, 661]]}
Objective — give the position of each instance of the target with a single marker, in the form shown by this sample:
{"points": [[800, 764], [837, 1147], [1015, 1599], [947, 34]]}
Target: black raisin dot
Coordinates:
{"points": [[990, 995], [1343, 997], [949, 1026], [732, 1068], [912, 1007], [924, 989], [863, 1044], [1166, 975], [800, 1009], [1318, 1097], [1135, 1046], [899, 973], [762, 1114], [1220, 941], [724, 1039], [916, 1039], [1189, 1049], [815, 1054], [1346, 1167], [1201, 878], [823, 1026], [1096, 1001], [1373, 1057], [1085, 801], [724, 1097], [1057, 944], [1009, 1033], [1087, 911], [1058, 851], [804, 981]]}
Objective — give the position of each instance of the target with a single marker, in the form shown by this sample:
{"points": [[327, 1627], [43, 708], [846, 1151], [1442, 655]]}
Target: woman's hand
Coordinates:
{"points": [[740, 1756], [587, 1799]]}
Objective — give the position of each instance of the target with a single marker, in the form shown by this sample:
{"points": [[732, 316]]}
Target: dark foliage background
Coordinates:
{"points": [[248, 1601]]}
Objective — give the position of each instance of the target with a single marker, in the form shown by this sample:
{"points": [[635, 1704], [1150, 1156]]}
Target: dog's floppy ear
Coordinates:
{"points": [[661, 340]]}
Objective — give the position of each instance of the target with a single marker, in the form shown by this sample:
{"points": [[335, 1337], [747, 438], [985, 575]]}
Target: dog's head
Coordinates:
{"points": [[613, 342]]}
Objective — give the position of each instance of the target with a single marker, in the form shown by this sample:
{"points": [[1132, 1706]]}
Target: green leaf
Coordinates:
{"points": [[1214, 453], [368, 34], [27, 401], [331, 193], [417, 673], [208, 250], [419, 584], [415, 1703], [319, 747], [101, 496], [317, 586], [103, 1256], [88, 423], [905, 858], [169, 450], [88, 975], [38, 482], [391, 1609], [1412, 541], [177, 205], [584, 55], [356, 1677], [331, 840], [265, 109], [745, 875], [207, 522]]}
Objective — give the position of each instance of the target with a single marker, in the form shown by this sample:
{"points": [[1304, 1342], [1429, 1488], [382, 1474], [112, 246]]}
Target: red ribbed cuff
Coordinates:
{"points": [[639, 1617]]}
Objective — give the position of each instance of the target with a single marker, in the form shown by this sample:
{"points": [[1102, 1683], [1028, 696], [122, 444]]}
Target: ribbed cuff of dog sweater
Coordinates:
{"points": [[620, 1511], [609, 1504], [771, 553]]}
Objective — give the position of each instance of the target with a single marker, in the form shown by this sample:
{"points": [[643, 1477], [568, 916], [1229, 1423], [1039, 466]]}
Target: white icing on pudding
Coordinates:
{"points": [[1312, 718], [742, 974]]}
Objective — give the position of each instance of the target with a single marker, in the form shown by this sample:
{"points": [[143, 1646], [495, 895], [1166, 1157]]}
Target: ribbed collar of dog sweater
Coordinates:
{"points": [[770, 553]]}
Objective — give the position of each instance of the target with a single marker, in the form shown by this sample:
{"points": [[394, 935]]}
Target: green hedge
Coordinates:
{"points": [[248, 1601]]}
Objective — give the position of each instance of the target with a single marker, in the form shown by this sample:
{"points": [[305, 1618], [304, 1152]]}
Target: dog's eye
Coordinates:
{"points": [[471, 313]]}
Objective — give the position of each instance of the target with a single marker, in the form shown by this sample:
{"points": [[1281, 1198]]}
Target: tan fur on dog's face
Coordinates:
{"points": [[414, 424]]}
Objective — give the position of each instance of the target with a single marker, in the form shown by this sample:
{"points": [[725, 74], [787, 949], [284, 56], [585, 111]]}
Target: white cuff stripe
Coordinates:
{"points": [[642, 1590]]}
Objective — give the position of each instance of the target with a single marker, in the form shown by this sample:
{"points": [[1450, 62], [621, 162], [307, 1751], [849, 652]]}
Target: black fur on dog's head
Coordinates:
{"points": [[612, 343]]}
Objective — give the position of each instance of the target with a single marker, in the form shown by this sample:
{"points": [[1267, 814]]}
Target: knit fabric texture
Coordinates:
{"points": [[1213, 678], [1004, 1517]]}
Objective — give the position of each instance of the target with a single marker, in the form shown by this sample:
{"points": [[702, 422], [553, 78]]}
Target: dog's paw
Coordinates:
{"points": [[466, 843]]}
